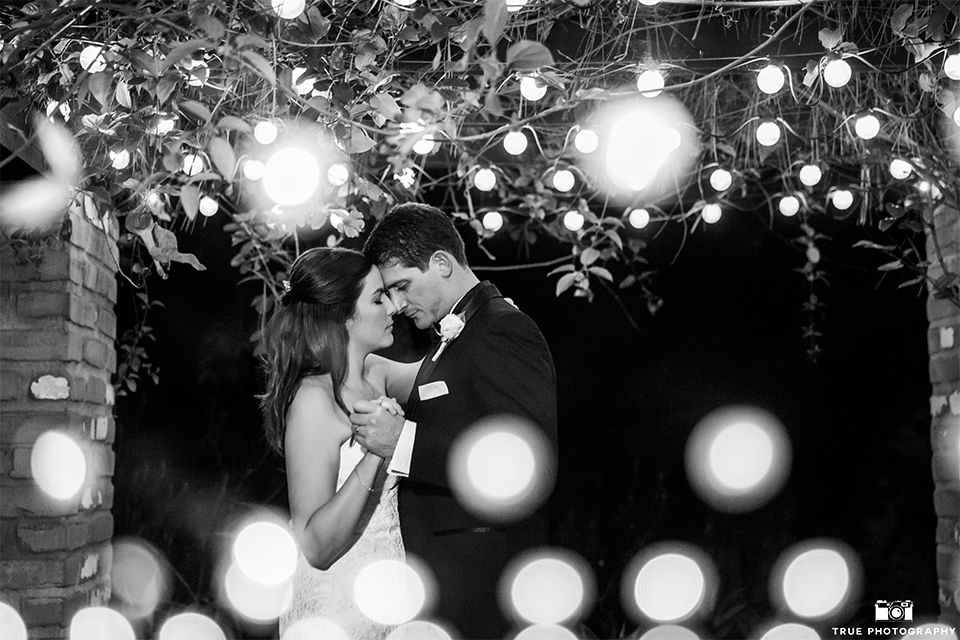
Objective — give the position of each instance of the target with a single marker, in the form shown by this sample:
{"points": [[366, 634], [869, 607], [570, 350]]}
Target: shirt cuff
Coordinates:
{"points": [[403, 453]]}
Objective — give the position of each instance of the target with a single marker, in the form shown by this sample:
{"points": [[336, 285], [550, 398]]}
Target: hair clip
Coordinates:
{"points": [[286, 286]]}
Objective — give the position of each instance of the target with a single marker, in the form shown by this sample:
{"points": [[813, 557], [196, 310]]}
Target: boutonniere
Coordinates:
{"points": [[450, 327]]}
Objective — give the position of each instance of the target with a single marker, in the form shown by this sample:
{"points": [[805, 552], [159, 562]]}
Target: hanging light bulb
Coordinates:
{"points": [[120, 159], [711, 212], [405, 3], [484, 179], [956, 116], [810, 174], [532, 89], [900, 168], [789, 205], [424, 145], [770, 79], [516, 5], [867, 127], [163, 126], [338, 174], [563, 180], [842, 199], [573, 220], [837, 73], [951, 66], [91, 59], [288, 9], [515, 143], [253, 169], [649, 3], [639, 218], [492, 220], [650, 83], [768, 133], [586, 141], [721, 179], [303, 87], [265, 132], [192, 164], [208, 206]]}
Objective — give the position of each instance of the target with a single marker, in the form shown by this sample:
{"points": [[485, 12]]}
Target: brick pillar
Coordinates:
{"points": [[944, 344], [57, 331]]}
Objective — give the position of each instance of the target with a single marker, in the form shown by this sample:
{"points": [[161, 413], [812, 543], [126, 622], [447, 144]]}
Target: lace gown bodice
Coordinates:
{"points": [[329, 594]]}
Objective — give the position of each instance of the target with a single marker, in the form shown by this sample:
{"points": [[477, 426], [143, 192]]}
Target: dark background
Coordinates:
{"points": [[191, 457]]}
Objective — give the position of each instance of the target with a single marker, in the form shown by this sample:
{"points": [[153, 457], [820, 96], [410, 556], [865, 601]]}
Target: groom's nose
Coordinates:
{"points": [[398, 300]]}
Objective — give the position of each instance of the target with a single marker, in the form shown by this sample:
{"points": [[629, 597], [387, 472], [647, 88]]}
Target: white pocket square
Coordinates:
{"points": [[433, 390]]}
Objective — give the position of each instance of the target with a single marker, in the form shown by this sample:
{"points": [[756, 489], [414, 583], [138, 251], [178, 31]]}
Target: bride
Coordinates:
{"points": [[318, 355]]}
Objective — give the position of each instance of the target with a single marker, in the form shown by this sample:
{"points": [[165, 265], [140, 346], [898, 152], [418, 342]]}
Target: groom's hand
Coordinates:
{"points": [[375, 427]]}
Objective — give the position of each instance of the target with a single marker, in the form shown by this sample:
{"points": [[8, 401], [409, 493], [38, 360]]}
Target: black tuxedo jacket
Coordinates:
{"points": [[499, 364]]}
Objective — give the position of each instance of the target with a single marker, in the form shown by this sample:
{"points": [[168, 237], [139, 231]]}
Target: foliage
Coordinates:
{"points": [[166, 102]]}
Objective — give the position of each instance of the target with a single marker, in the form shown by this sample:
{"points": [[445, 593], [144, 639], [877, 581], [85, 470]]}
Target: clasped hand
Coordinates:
{"points": [[377, 424]]}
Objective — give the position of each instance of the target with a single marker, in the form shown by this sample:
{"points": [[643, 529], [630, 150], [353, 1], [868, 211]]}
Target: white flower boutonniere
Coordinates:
{"points": [[450, 327]]}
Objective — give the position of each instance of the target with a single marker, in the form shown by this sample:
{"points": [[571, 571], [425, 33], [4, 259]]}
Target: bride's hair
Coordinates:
{"points": [[307, 333]]}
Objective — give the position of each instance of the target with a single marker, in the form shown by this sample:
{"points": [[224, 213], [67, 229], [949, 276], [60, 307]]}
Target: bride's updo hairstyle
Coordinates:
{"points": [[307, 333]]}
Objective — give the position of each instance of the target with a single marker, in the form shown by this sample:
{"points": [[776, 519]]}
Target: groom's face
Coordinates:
{"points": [[417, 294]]}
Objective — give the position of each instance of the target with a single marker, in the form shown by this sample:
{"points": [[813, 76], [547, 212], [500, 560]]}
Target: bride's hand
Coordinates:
{"points": [[390, 405]]}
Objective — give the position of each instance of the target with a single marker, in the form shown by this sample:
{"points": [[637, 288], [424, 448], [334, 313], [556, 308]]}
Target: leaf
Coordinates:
{"points": [[891, 266], [495, 17], [602, 273], [937, 18], [100, 86], [385, 105], [261, 65], [195, 110], [899, 19], [626, 282], [224, 159], [185, 50], [589, 256], [562, 269], [210, 26], [813, 71], [829, 38], [233, 123], [164, 88], [122, 94], [491, 103], [868, 244], [910, 282], [166, 250], [360, 141], [912, 225], [565, 282], [190, 200], [146, 62], [528, 55], [886, 223], [615, 238]]}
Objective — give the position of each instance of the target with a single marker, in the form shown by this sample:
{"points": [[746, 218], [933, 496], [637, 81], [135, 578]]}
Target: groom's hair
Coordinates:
{"points": [[412, 232]]}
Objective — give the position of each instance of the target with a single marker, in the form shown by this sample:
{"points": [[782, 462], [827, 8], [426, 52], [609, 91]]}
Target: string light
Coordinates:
{"points": [[484, 179], [900, 168], [837, 73], [563, 180], [303, 87], [120, 159], [649, 3], [516, 5], [338, 174], [586, 141], [721, 179], [711, 213], [842, 199], [951, 66], [208, 206], [867, 127], [770, 79], [639, 218], [956, 116], [288, 9], [493, 220], [265, 132], [650, 83], [532, 88], [573, 220], [768, 133], [192, 164], [426, 144], [810, 174], [789, 206], [515, 143], [253, 169], [91, 59]]}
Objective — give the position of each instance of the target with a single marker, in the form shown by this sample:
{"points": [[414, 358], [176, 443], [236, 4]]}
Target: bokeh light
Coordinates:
{"points": [[314, 629], [815, 579], [810, 174], [867, 127], [419, 630], [255, 600], [532, 88], [265, 552], [900, 168], [573, 220], [426, 144], [190, 626], [737, 458], [301, 84], [291, 176], [265, 132], [12, 626], [791, 631], [545, 632], [650, 83], [711, 212], [669, 632], [586, 141], [288, 9], [515, 142], [669, 586], [548, 586], [951, 66], [120, 159], [789, 205], [768, 133], [502, 468], [770, 79], [516, 5], [253, 169], [58, 465], [192, 164], [721, 179], [98, 623], [837, 73], [390, 592], [492, 220], [92, 60], [139, 577], [563, 180], [209, 206], [842, 199], [484, 179], [639, 218], [338, 174]]}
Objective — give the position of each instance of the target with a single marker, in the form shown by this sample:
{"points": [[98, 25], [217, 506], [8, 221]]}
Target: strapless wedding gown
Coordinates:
{"points": [[329, 594]]}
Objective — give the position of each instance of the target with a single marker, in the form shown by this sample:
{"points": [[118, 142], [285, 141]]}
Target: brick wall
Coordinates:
{"points": [[57, 331], [944, 345]]}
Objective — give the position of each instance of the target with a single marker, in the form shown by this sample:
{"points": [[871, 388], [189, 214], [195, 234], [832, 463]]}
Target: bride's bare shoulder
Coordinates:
{"points": [[314, 397]]}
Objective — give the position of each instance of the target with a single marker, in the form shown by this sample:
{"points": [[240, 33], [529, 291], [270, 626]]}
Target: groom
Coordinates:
{"points": [[499, 363]]}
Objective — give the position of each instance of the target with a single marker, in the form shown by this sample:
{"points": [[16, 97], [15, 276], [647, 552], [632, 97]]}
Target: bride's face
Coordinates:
{"points": [[372, 324]]}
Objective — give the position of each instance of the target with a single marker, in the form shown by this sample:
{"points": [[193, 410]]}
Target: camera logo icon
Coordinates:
{"points": [[898, 610]]}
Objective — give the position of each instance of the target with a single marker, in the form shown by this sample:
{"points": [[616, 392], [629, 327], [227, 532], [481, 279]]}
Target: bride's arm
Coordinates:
{"points": [[324, 519], [397, 377]]}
